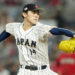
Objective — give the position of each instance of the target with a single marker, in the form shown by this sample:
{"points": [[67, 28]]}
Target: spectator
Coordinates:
{"points": [[28, 1], [65, 64], [61, 21], [3, 20], [56, 2], [11, 2]]}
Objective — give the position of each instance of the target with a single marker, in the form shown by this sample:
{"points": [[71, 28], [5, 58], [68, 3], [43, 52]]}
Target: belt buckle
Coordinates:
{"points": [[31, 67]]}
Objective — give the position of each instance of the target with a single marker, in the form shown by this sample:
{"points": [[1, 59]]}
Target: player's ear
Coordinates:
{"points": [[24, 14]]}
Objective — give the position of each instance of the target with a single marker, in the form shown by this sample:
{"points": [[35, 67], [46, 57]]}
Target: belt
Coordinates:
{"points": [[32, 67]]}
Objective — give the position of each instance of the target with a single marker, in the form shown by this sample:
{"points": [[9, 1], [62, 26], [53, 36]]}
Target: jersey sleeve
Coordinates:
{"points": [[44, 31], [47, 29], [10, 28]]}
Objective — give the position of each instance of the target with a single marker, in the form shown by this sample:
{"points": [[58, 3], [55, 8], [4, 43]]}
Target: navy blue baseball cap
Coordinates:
{"points": [[31, 7]]}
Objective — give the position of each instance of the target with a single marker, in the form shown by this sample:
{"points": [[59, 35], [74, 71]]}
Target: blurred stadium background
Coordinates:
{"points": [[60, 13]]}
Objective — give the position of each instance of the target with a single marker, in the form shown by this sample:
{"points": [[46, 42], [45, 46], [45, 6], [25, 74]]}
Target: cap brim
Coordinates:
{"points": [[41, 10]]}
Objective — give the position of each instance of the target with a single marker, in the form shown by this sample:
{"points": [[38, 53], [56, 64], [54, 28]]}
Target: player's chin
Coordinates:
{"points": [[34, 23]]}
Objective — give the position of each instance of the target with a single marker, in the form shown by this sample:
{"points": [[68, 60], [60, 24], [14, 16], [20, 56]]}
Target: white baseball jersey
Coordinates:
{"points": [[32, 44]]}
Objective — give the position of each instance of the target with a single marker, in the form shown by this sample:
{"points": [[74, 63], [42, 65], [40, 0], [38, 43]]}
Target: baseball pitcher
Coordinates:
{"points": [[32, 41]]}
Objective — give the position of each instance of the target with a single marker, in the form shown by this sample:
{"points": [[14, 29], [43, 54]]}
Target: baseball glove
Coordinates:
{"points": [[68, 45]]}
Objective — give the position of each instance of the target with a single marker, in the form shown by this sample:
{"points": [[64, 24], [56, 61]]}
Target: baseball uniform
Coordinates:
{"points": [[33, 48]]}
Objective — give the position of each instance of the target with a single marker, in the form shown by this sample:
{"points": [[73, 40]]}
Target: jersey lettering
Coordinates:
{"points": [[33, 44], [33, 52], [27, 42], [22, 42], [18, 41]]}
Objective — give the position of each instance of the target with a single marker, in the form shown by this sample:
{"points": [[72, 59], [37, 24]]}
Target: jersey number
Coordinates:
{"points": [[32, 52]]}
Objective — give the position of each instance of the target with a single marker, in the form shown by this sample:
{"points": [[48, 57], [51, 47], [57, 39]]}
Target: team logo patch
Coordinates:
{"points": [[25, 8], [36, 6]]}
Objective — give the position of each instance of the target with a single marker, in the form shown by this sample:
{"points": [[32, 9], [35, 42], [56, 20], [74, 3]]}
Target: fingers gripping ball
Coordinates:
{"points": [[67, 46]]}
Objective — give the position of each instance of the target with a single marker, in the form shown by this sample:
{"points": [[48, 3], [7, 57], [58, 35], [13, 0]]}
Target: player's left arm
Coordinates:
{"points": [[62, 31]]}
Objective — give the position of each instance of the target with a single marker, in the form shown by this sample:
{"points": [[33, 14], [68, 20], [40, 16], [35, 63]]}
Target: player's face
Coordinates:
{"points": [[33, 16]]}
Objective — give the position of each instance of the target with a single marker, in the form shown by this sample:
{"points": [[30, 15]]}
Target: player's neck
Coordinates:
{"points": [[26, 25]]}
